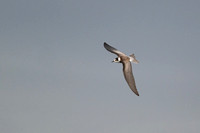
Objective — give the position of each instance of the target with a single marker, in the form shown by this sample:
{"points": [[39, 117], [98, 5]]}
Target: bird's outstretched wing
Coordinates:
{"points": [[113, 50], [127, 70]]}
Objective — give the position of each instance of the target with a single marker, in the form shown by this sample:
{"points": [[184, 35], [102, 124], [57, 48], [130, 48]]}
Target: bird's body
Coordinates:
{"points": [[127, 68]]}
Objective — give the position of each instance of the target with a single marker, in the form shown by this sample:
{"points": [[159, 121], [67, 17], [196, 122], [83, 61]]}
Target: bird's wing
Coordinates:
{"points": [[127, 69], [113, 50]]}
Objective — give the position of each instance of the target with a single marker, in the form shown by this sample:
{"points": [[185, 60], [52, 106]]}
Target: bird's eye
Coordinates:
{"points": [[116, 59]]}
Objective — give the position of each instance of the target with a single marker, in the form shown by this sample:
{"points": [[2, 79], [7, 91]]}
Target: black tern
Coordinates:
{"points": [[127, 68]]}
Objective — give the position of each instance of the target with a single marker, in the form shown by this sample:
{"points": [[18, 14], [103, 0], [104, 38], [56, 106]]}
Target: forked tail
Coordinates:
{"points": [[133, 59]]}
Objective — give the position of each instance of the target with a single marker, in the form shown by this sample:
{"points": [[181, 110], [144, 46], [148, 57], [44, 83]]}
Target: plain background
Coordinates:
{"points": [[56, 75]]}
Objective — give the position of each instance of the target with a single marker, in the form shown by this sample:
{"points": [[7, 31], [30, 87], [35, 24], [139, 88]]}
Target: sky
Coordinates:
{"points": [[56, 75]]}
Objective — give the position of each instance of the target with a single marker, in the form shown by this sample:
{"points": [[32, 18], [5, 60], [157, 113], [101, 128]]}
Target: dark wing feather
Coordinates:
{"points": [[127, 69], [113, 50]]}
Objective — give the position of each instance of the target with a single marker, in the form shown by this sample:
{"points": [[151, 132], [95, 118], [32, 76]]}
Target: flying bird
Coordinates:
{"points": [[127, 68]]}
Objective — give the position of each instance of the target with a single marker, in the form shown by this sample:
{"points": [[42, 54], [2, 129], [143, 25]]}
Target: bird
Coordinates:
{"points": [[127, 67]]}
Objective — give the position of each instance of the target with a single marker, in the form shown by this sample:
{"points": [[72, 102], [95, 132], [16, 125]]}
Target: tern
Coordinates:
{"points": [[127, 68]]}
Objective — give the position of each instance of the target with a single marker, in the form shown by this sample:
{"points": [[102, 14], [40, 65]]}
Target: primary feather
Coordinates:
{"points": [[113, 50]]}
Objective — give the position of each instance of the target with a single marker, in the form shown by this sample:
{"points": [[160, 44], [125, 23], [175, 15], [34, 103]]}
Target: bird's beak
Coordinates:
{"points": [[112, 61]]}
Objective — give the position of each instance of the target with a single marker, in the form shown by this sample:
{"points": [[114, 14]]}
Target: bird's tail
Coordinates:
{"points": [[133, 59]]}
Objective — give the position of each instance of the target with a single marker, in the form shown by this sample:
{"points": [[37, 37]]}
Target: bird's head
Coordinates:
{"points": [[117, 60]]}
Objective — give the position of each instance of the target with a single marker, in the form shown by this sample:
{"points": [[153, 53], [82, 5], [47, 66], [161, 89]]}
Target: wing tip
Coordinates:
{"points": [[136, 92], [105, 44]]}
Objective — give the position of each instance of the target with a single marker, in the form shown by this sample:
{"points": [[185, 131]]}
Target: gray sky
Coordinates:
{"points": [[56, 75]]}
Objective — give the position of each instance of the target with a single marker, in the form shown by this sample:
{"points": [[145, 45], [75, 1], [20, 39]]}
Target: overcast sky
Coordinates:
{"points": [[56, 76]]}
